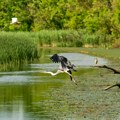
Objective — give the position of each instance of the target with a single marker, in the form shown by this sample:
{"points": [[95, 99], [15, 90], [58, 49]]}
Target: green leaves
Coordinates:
{"points": [[59, 14], [94, 16]]}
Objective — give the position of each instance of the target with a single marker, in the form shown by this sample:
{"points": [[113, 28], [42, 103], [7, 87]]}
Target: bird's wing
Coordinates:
{"points": [[56, 58], [70, 66], [65, 63]]}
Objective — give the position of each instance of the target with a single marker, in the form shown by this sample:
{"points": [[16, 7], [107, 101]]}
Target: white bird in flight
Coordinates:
{"points": [[15, 21], [66, 66]]}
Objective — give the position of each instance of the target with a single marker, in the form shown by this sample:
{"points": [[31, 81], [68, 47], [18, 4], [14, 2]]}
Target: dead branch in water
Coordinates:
{"points": [[105, 66], [115, 72], [117, 84]]}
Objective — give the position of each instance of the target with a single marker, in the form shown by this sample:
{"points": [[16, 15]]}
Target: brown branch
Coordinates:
{"points": [[117, 84], [114, 70]]}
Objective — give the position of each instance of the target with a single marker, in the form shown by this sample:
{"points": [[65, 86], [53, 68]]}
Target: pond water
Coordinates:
{"points": [[27, 94]]}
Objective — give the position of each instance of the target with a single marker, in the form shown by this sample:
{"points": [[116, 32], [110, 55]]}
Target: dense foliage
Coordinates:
{"points": [[96, 17], [16, 49], [35, 15]]}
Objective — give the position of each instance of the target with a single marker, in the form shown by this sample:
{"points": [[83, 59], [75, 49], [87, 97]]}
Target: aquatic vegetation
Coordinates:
{"points": [[16, 48], [45, 97], [59, 38]]}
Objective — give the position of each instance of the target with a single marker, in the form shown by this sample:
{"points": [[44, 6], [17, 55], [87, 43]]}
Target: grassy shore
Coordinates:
{"points": [[111, 53]]}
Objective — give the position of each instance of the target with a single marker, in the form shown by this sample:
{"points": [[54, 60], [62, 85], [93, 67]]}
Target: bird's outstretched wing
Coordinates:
{"points": [[65, 63], [70, 66], [56, 58], [63, 60]]}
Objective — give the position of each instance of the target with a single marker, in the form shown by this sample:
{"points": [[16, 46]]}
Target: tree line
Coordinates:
{"points": [[94, 16]]}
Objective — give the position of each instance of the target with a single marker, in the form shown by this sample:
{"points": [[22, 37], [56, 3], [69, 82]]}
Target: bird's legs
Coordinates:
{"points": [[68, 73], [71, 77]]}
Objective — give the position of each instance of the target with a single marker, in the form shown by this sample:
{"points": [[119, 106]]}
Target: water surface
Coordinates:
{"points": [[28, 94]]}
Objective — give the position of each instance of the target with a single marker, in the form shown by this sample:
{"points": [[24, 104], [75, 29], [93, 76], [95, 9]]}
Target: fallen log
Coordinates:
{"points": [[117, 84], [105, 66]]}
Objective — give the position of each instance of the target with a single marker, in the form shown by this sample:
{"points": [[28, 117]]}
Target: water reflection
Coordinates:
{"points": [[25, 99], [12, 112], [26, 95], [82, 59]]}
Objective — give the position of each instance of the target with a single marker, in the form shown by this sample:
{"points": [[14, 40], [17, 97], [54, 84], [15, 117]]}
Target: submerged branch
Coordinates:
{"points": [[110, 68], [117, 84]]}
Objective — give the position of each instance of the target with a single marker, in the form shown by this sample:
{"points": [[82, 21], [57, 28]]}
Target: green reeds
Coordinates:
{"points": [[59, 38], [16, 48], [71, 38]]}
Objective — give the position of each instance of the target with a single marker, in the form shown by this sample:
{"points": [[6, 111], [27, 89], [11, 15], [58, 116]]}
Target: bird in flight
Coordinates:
{"points": [[65, 67], [15, 21]]}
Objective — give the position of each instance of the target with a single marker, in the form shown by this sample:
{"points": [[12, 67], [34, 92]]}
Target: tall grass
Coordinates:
{"points": [[72, 38], [20, 47], [59, 38], [16, 49]]}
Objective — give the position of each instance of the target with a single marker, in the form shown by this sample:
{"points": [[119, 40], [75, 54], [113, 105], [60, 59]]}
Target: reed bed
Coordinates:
{"points": [[16, 49], [72, 38], [59, 38], [23, 47]]}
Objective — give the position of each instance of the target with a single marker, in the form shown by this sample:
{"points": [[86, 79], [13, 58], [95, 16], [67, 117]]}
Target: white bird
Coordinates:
{"points": [[15, 21], [96, 61], [66, 66]]}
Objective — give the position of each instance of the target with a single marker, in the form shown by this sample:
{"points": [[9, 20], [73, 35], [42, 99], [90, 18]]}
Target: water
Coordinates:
{"points": [[27, 94]]}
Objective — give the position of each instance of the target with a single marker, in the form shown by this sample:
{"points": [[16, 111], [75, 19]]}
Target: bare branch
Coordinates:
{"points": [[110, 68], [117, 84]]}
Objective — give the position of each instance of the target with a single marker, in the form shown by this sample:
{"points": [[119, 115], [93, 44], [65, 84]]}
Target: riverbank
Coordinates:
{"points": [[56, 97], [88, 100], [111, 53]]}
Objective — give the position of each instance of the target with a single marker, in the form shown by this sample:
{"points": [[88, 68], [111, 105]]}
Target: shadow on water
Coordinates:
{"points": [[28, 94]]}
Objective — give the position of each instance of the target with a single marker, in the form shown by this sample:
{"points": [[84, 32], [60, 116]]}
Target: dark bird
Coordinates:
{"points": [[66, 66]]}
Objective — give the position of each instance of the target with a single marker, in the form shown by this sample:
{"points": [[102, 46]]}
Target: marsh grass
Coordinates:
{"points": [[72, 38], [22, 47], [16, 48], [59, 38]]}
